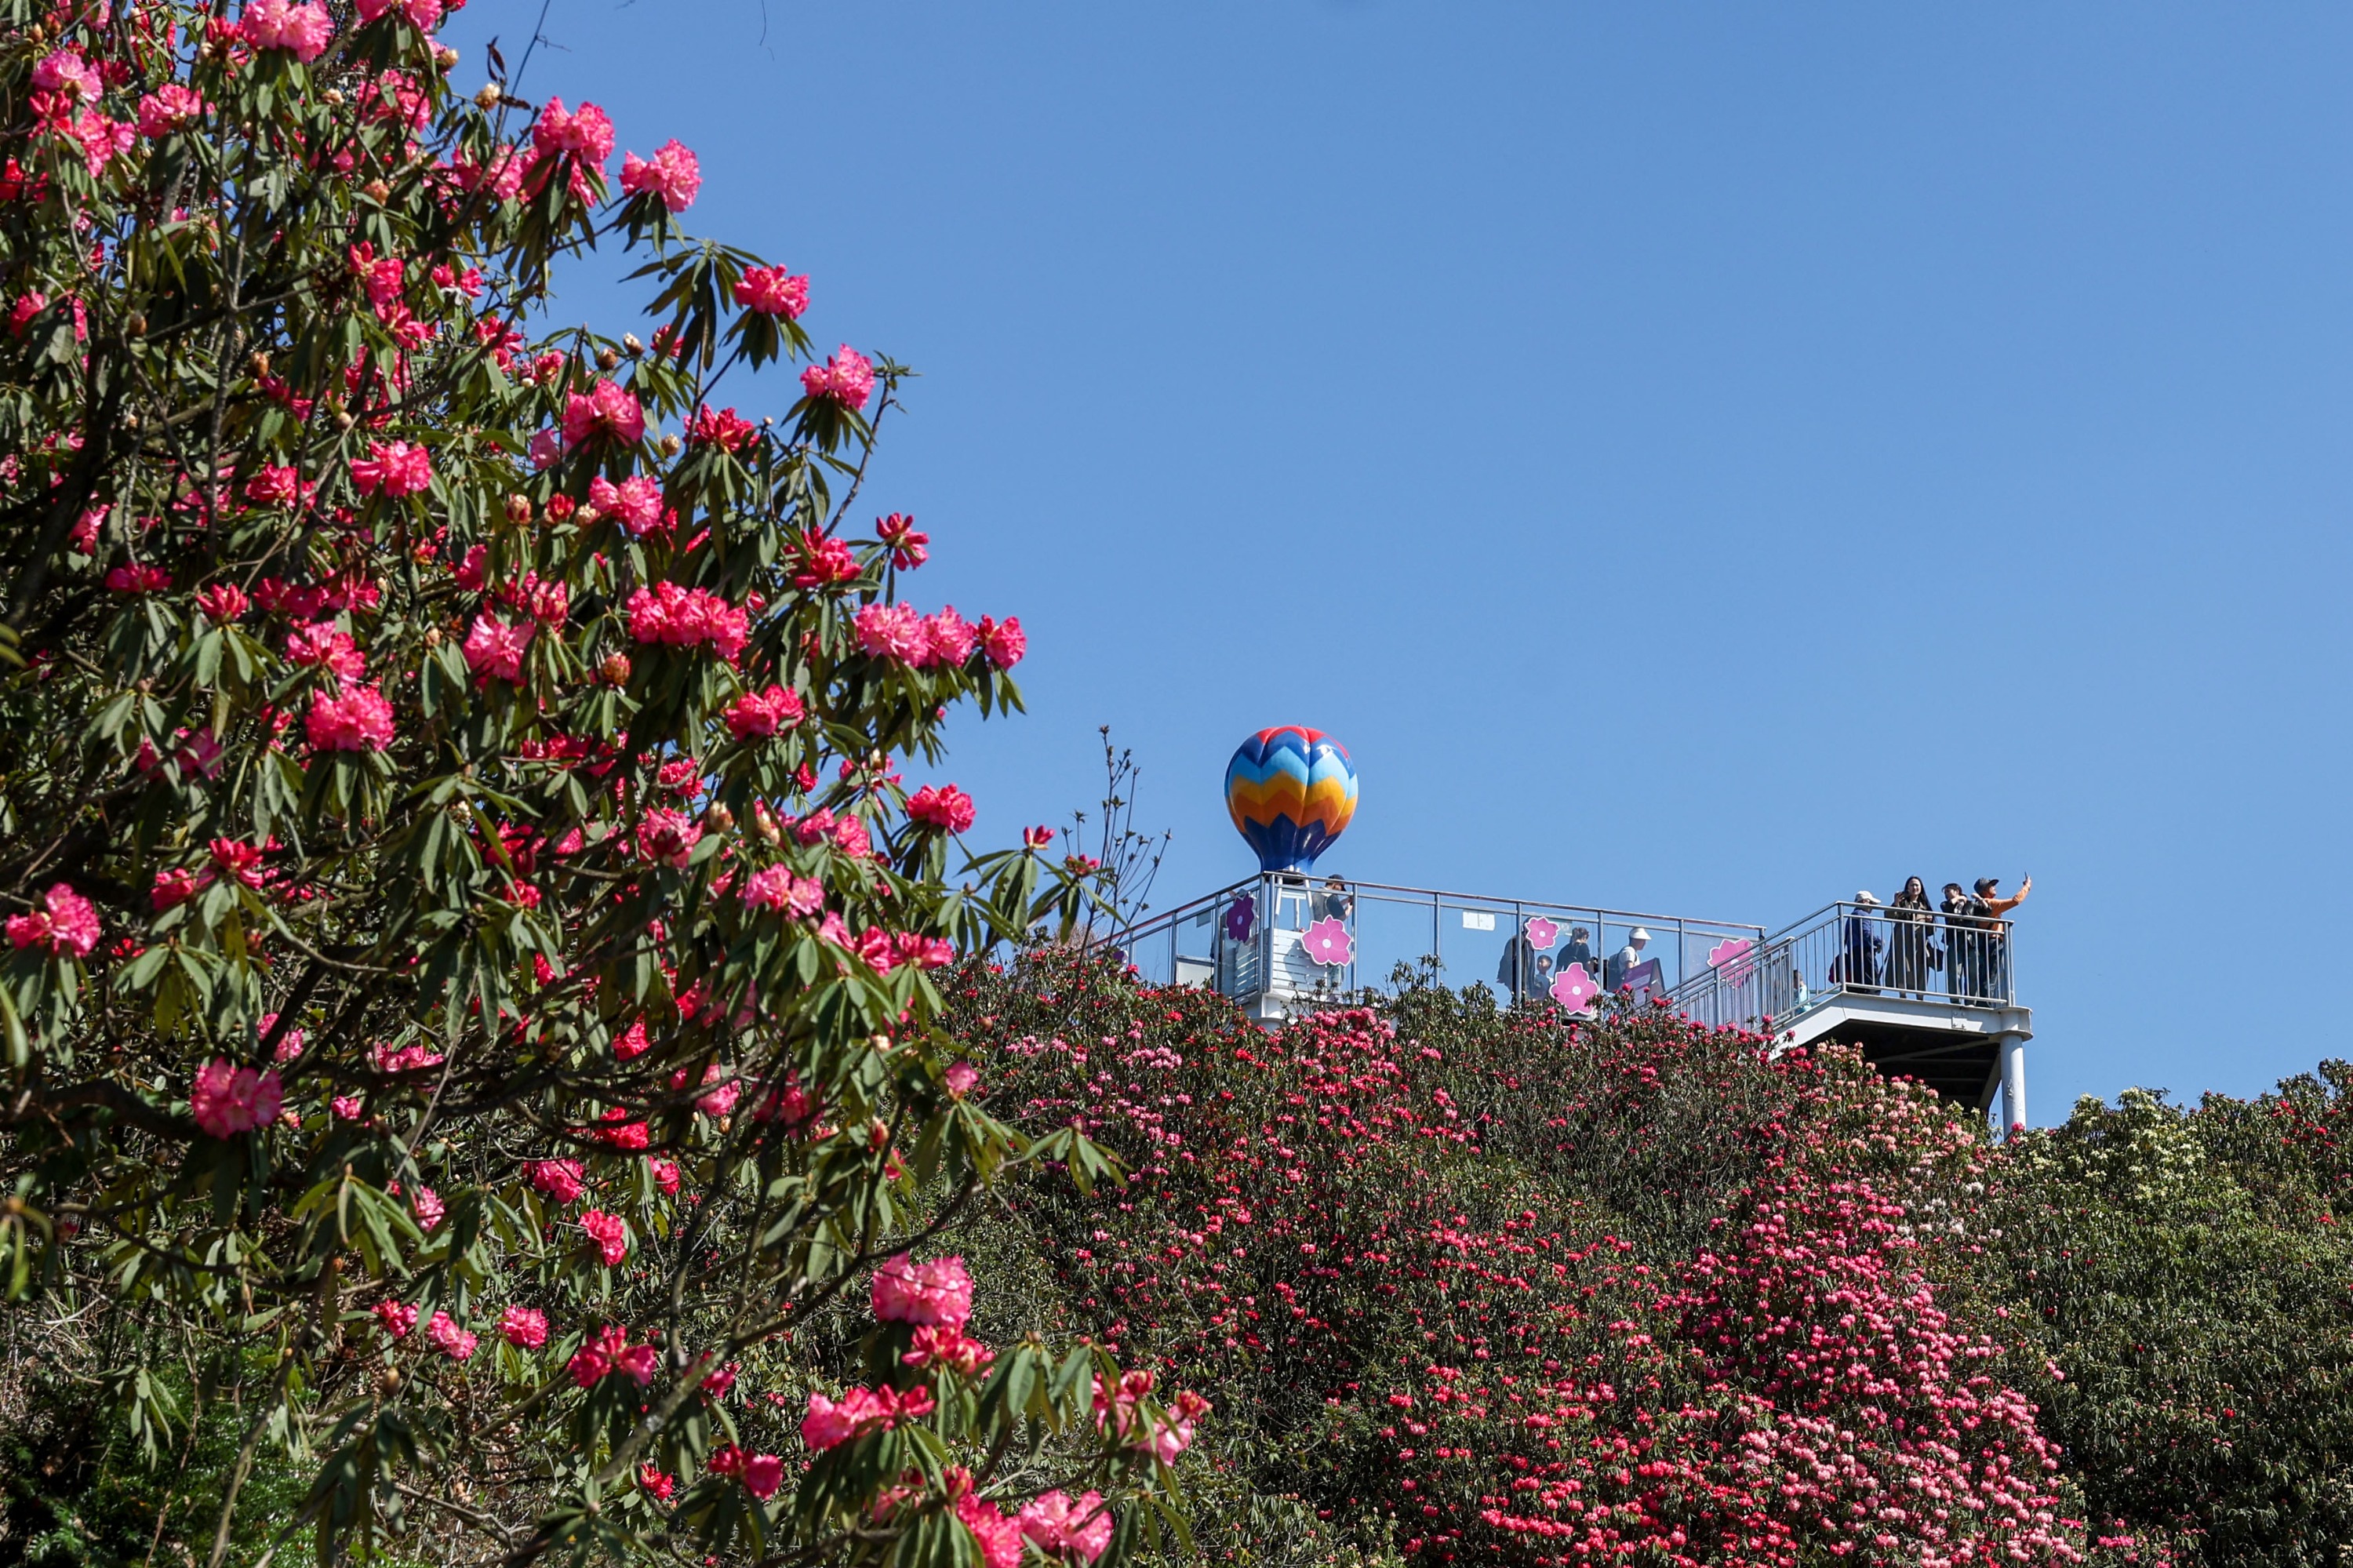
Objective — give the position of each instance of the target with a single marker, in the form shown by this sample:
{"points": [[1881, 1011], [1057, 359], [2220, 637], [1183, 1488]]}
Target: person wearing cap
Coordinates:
{"points": [[1625, 959], [1993, 978], [1858, 965]]}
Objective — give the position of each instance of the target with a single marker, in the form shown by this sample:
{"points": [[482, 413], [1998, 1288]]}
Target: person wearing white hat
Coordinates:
{"points": [[1858, 964], [1625, 958]]}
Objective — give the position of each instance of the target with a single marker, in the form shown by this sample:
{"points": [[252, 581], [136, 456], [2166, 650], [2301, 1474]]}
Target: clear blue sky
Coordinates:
{"points": [[1706, 459]]}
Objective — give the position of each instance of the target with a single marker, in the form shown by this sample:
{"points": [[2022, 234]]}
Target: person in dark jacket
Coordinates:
{"points": [[1578, 949], [1516, 972], [1965, 920], [1910, 951], [1859, 946]]}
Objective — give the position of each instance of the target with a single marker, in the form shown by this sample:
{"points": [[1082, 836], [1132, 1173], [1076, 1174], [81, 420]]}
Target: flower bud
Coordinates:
{"points": [[719, 819], [136, 326], [670, 445], [489, 97], [519, 509], [260, 363], [631, 345], [616, 669], [334, 95], [445, 56], [376, 190], [606, 359]]}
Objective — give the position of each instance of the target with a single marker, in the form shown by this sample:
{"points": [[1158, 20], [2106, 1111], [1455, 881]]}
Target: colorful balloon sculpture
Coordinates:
{"points": [[1290, 792]]}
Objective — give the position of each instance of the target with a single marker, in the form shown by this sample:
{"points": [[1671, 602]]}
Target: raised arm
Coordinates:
{"points": [[2004, 906]]}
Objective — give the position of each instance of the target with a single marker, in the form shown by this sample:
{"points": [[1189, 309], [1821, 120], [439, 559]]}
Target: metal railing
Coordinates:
{"points": [[1272, 939], [1863, 950]]}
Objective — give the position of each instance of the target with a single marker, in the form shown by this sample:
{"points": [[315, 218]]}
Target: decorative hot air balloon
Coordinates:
{"points": [[1291, 792]]}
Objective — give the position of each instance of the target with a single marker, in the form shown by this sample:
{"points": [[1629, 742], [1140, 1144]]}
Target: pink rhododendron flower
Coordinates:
{"points": [[427, 1207], [398, 1318], [909, 549], [941, 806], [657, 1483], [426, 15], [721, 428], [394, 468], [223, 603], [300, 29], [688, 618], [939, 1291], [847, 378], [173, 888], [893, 631], [999, 1538], [138, 578], [961, 1077], [328, 646], [586, 132], [66, 924], [665, 1174], [604, 411], [772, 291], [672, 174], [230, 1099], [609, 1231], [545, 450], [764, 712], [763, 1474], [936, 1344], [65, 71], [779, 888], [494, 648], [635, 503], [824, 559], [667, 838], [1004, 641], [168, 108], [448, 1339], [525, 1328], [559, 1179], [720, 1100], [1056, 1523], [949, 638], [359, 719]]}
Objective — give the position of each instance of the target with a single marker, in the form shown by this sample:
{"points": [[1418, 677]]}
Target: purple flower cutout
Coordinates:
{"points": [[1542, 933], [1573, 987], [1327, 942], [1239, 916]]}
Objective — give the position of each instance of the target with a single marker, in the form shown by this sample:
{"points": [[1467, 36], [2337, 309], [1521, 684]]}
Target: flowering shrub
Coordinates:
{"points": [[1543, 1290], [469, 990]]}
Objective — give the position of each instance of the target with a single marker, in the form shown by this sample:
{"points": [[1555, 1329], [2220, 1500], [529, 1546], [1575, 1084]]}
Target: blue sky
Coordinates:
{"points": [[1706, 459]]}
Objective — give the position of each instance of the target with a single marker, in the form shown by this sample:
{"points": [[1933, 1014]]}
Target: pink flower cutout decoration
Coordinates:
{"points": [[1542, 933], [1573, 988], [1327, 942], [1728, 956]]}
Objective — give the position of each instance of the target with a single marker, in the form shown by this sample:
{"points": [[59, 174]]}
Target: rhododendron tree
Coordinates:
{"points": [[469, 986]]}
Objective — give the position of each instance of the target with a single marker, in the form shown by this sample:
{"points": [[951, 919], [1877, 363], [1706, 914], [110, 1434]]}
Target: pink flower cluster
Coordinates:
{"points": [[494, 649], [577, 141], [66, 924], [606, 411], [847, 378], [672, 174], [688, 618], [302, 30], [761, 1474], [635, 503], [229, 1099], [944, 807], [559, 1179], [1062, 1526], [525, 1328], [903, 632], [609, 1231], [860, 1411], [392, 469], [448, 1339], [779, 888], [772, 291], [357, 718], [667, 838], [764, 712], [940, 1291], [610, 1351]]}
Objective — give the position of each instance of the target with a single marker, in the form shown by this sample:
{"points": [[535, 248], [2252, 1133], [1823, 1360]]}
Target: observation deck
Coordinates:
{"points": [[1930, 997]]}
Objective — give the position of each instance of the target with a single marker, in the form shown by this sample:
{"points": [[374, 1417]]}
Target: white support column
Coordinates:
{"points": [[2013, 1081]]}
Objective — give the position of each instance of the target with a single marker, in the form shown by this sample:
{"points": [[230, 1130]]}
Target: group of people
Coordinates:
{"points": [[1895, 946], [1528, 973]]}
